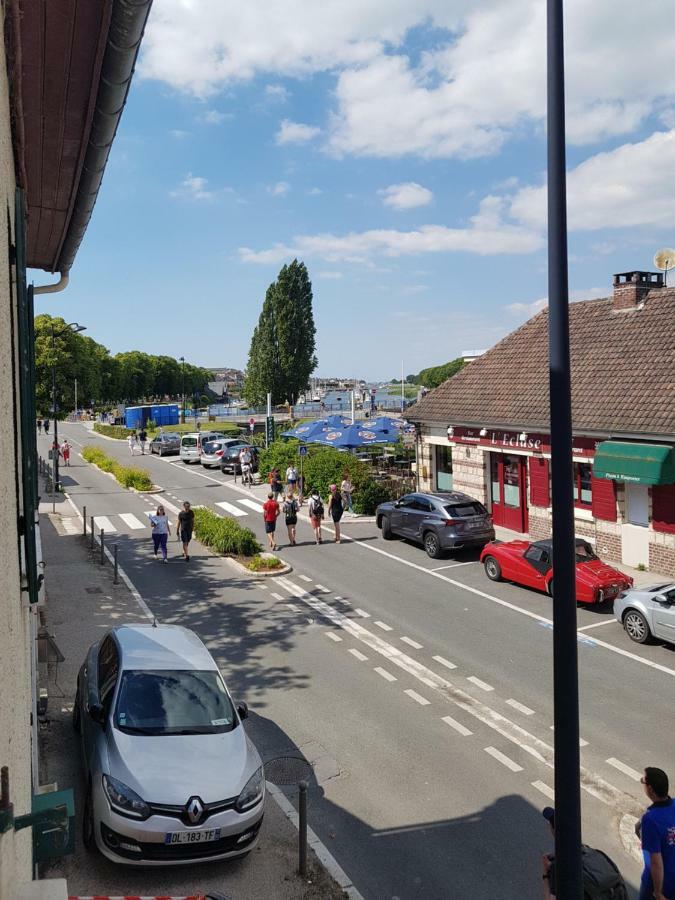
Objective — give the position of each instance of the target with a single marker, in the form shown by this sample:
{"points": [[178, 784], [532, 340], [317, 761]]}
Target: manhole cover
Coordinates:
{"points": [[93, 590], [287, 770]]}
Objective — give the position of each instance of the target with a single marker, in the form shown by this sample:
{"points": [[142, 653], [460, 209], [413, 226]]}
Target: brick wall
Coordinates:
{"points": [[662, 559], [468, 472]]}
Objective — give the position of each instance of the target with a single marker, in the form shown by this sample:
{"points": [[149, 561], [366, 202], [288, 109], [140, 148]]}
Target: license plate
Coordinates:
{"points": [[192, 837]]}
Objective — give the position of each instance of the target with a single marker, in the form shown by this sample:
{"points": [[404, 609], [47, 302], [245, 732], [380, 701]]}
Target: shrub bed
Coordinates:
{"points": [[263, 563], [128, 476], [224, 535], [113, 431], [370, 495]]}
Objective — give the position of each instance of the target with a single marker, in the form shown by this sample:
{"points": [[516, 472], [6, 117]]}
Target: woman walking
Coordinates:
{"points": [[316, 514], [346, 488], [270, 516], [160, 531], [131, 440], [184, 528], [291, 515], [291, 478], [335, 509]]}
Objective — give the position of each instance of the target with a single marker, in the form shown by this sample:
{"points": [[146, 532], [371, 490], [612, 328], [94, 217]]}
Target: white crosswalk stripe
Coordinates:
{"points": [[131, 521], [252, 504], [231, 508], [103, 522], [169, 506]]}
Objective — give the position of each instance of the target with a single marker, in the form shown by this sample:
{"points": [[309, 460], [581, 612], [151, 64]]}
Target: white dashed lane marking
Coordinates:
{"points": [[622, 767], [525, 710], [453, 723], [418, 698], [305, 578], [383, 626], [411, 643], [386, 675], [333, 636], [231, 508], [324, 590], [362, 613], [444, 662], [481, 684], [545, 789], [503, 759], [357, 653]]}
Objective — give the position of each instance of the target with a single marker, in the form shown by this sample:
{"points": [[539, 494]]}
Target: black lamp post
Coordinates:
{"points": [[182, 415], [75, 328]]}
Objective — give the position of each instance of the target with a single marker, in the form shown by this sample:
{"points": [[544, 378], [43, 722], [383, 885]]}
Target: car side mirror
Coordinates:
{"points": [[397, 503], [97, 713], [242, 709], [663, 601]]}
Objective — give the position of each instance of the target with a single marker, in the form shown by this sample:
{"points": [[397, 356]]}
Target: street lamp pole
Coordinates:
{"points": [[75, 328], [565, 664], [182, 415]]}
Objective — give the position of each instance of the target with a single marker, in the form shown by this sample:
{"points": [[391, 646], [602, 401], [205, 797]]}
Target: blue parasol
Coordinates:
{"points": [[352, 436]]}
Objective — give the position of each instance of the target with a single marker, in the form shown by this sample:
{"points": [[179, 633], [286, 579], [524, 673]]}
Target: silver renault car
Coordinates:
{"points": [[171, 776], [647, 612]]}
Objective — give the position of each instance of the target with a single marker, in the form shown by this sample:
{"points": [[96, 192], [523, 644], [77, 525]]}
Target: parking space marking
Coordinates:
{"points": [[333, 636], [483, 685], [471, 562], [131, 521], [357, 653], [598, 624], [503, 759], [418, 698], [444, 662], [411, 643], [386, 675], [231, 508], [103, 523], [545, 789], [525, 710], [453, 723], [383, 626], [622, 767]]}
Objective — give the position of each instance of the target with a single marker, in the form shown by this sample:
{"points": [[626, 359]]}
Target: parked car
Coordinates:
{"points": [[213, 451], [165, 443], [230, 459], [191, 445], [439, 522], [647, 612], [171, 776], [531, 565]]}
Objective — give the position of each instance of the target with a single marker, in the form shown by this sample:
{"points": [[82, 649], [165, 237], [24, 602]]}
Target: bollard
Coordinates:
{"points": [[91, 522], [115, 578], [84, 521], [102, 536], [302, 828]]}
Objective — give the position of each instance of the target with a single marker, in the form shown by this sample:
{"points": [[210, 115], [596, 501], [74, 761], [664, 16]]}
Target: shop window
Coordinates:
{"points": [[511, 481], [443, 468], [583, 485], [494, 478], [663, 508]]}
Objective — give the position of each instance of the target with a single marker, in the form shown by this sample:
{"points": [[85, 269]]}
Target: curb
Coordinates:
{"points": [[283, 569]]}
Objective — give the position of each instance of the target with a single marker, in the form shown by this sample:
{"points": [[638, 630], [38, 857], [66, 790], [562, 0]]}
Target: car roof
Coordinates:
{"points": [[446, 496], [145, 646]]}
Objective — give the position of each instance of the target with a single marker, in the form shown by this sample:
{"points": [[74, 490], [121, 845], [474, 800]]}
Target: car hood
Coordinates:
{"points": [[595, 571], [169, 769]]}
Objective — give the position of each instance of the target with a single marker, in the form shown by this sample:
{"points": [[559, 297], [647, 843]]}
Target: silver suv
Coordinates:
{"points": [[437, 521], [647, 612], [171, 777]]}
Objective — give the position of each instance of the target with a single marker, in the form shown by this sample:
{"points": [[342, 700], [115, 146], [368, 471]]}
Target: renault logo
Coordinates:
{"points": [[194, 809]]}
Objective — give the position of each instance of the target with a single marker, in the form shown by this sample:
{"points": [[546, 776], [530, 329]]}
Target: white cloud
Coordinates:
{"points": [[277, 92], [487, 234], [193, 188], [214, 117], [279, 189], [314, 192], [330, 275], [525, 310], [622, 188], [406, 196], [178, 134], [295, 132]]}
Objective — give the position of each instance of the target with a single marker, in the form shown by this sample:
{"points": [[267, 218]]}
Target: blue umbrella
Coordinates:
{"points": [[387, 423], [309, 430], [352, 436]]}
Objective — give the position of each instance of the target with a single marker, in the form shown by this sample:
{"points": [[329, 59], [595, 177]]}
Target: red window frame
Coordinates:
{"points": [[578, 502]]}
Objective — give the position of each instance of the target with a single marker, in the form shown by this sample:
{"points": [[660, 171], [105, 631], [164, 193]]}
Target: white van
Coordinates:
{"points": [[191, 444]]}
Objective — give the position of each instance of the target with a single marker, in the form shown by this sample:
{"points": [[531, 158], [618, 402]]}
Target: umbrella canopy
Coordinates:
{"points": [[352, 436], [387, 423], [309, 430]]}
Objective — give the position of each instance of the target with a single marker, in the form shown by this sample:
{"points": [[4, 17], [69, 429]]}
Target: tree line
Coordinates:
{"points": [[104, 380]]}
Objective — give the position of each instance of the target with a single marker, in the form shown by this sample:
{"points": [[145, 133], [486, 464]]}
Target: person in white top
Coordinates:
{"points": [[131, 440], [346, 489], [245, 463], [291, 478], [160, 531]]}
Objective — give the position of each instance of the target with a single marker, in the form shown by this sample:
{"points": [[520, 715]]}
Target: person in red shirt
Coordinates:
{"points": [[270, 514]]}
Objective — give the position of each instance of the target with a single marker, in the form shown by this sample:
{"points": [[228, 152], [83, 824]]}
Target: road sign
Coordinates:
{"points": [[269, 430], [302, 450]]}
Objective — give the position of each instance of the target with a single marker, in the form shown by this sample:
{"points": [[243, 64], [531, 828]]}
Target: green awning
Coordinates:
{"points": [[639, 463]]}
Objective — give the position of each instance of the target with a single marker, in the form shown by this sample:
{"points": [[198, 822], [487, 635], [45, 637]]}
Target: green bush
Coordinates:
{"points": [[263, 563], [224, 535], [113, 431], [369, 496], [128, 476], [321, 467]]}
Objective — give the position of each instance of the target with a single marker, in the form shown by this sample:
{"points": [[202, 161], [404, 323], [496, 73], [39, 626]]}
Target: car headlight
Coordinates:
{"points": [[253, 792], [124, 800]]}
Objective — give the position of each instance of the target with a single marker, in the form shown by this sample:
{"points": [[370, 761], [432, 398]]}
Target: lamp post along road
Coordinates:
{"points": [[182, 415], [75, 328], [565, 663]]}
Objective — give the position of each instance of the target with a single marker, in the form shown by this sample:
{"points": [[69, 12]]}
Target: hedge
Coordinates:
{"points": [[264, 563], [368, 498], [224, 535], [113, 431], [128, 476]]}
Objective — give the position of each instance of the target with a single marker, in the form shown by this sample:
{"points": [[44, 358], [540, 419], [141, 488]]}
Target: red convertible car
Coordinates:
{"points": [[530, 564]]}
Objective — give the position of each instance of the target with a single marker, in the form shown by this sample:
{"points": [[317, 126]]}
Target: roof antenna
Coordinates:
{"points": [[665, 260]]}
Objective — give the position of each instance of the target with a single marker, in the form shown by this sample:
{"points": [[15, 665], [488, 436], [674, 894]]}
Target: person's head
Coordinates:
{"points": [[289, 495], [186, 505], [655, 783], [314, 492], [549, 814], [345, 475], [270, 496], [160, 510], [333, 488]]}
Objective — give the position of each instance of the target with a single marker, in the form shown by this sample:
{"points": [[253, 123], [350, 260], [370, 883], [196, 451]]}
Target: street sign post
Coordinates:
{"points": [[302, 450], [269, 430]]}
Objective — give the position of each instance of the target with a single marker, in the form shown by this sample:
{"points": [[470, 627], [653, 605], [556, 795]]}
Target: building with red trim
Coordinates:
{"points": [[486, 430]]}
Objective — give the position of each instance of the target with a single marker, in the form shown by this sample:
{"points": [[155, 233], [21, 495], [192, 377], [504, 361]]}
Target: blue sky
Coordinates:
{"points": [[397, 147]]}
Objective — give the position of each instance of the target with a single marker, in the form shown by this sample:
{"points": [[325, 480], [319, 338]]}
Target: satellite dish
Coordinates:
{"points": [[665, 260]]}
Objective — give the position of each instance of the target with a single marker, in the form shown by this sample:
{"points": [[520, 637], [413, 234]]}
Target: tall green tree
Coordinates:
{"points": [[435, 375], [282, 354]]}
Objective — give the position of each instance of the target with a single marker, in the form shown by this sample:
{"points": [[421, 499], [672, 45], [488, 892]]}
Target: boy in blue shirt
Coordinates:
{"points": [[657, 831]]}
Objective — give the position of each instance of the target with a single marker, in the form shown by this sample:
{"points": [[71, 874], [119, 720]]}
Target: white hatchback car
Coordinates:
{"points": [[171, 776], [192, 444]]}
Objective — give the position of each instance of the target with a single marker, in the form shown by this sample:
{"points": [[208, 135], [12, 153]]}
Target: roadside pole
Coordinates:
{"points": [[565, 663]]}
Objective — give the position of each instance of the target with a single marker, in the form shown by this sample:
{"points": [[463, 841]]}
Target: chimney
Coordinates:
{"points": [[631, 288]]}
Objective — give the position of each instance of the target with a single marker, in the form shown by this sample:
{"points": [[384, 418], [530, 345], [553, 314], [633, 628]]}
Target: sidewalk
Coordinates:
{"points": [[82, 602]]}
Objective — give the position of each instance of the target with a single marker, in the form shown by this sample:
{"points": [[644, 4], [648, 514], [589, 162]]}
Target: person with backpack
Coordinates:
{"points": [[316, 514], [291, 515], [335, 510], [656, 830], [601, 878]]}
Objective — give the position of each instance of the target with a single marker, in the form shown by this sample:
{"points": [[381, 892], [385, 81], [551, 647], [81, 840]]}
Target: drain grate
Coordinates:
{"points": [[287, 770]]}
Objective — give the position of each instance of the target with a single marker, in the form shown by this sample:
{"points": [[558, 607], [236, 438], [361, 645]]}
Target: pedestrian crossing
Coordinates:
{"points": [[232, 509], [116, 522], [132, 522]]}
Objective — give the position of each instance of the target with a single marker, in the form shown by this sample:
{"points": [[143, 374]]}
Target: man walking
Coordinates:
{"points": [[39, 426], [270, 515], [143, 438], [657, 832], [46, 426], [184, 528], [316, 514]]}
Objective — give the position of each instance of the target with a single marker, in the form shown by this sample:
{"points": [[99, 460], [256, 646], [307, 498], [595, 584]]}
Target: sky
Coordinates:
{"points": [[398, 148]]}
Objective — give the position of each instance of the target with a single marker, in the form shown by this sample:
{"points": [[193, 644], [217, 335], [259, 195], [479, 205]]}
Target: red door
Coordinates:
{"points": [[508, 491]]}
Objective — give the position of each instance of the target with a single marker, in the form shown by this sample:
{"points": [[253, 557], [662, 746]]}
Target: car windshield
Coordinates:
{"points": [[461, 510], [585, 552], [166, 702], [189, 442]]}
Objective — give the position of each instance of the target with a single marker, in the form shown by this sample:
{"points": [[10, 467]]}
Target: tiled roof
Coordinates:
{"points": [[623, 374]]}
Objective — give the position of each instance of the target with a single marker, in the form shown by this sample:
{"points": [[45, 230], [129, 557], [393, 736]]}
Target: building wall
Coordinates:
{"points": [[15, 698]]}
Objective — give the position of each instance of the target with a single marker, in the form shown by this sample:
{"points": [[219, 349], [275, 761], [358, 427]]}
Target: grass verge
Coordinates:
{"points": [[128, 476]]}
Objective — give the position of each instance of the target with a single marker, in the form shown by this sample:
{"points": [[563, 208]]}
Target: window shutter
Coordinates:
{"points": [[603, 502], [539, 491], [663, 508]]}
